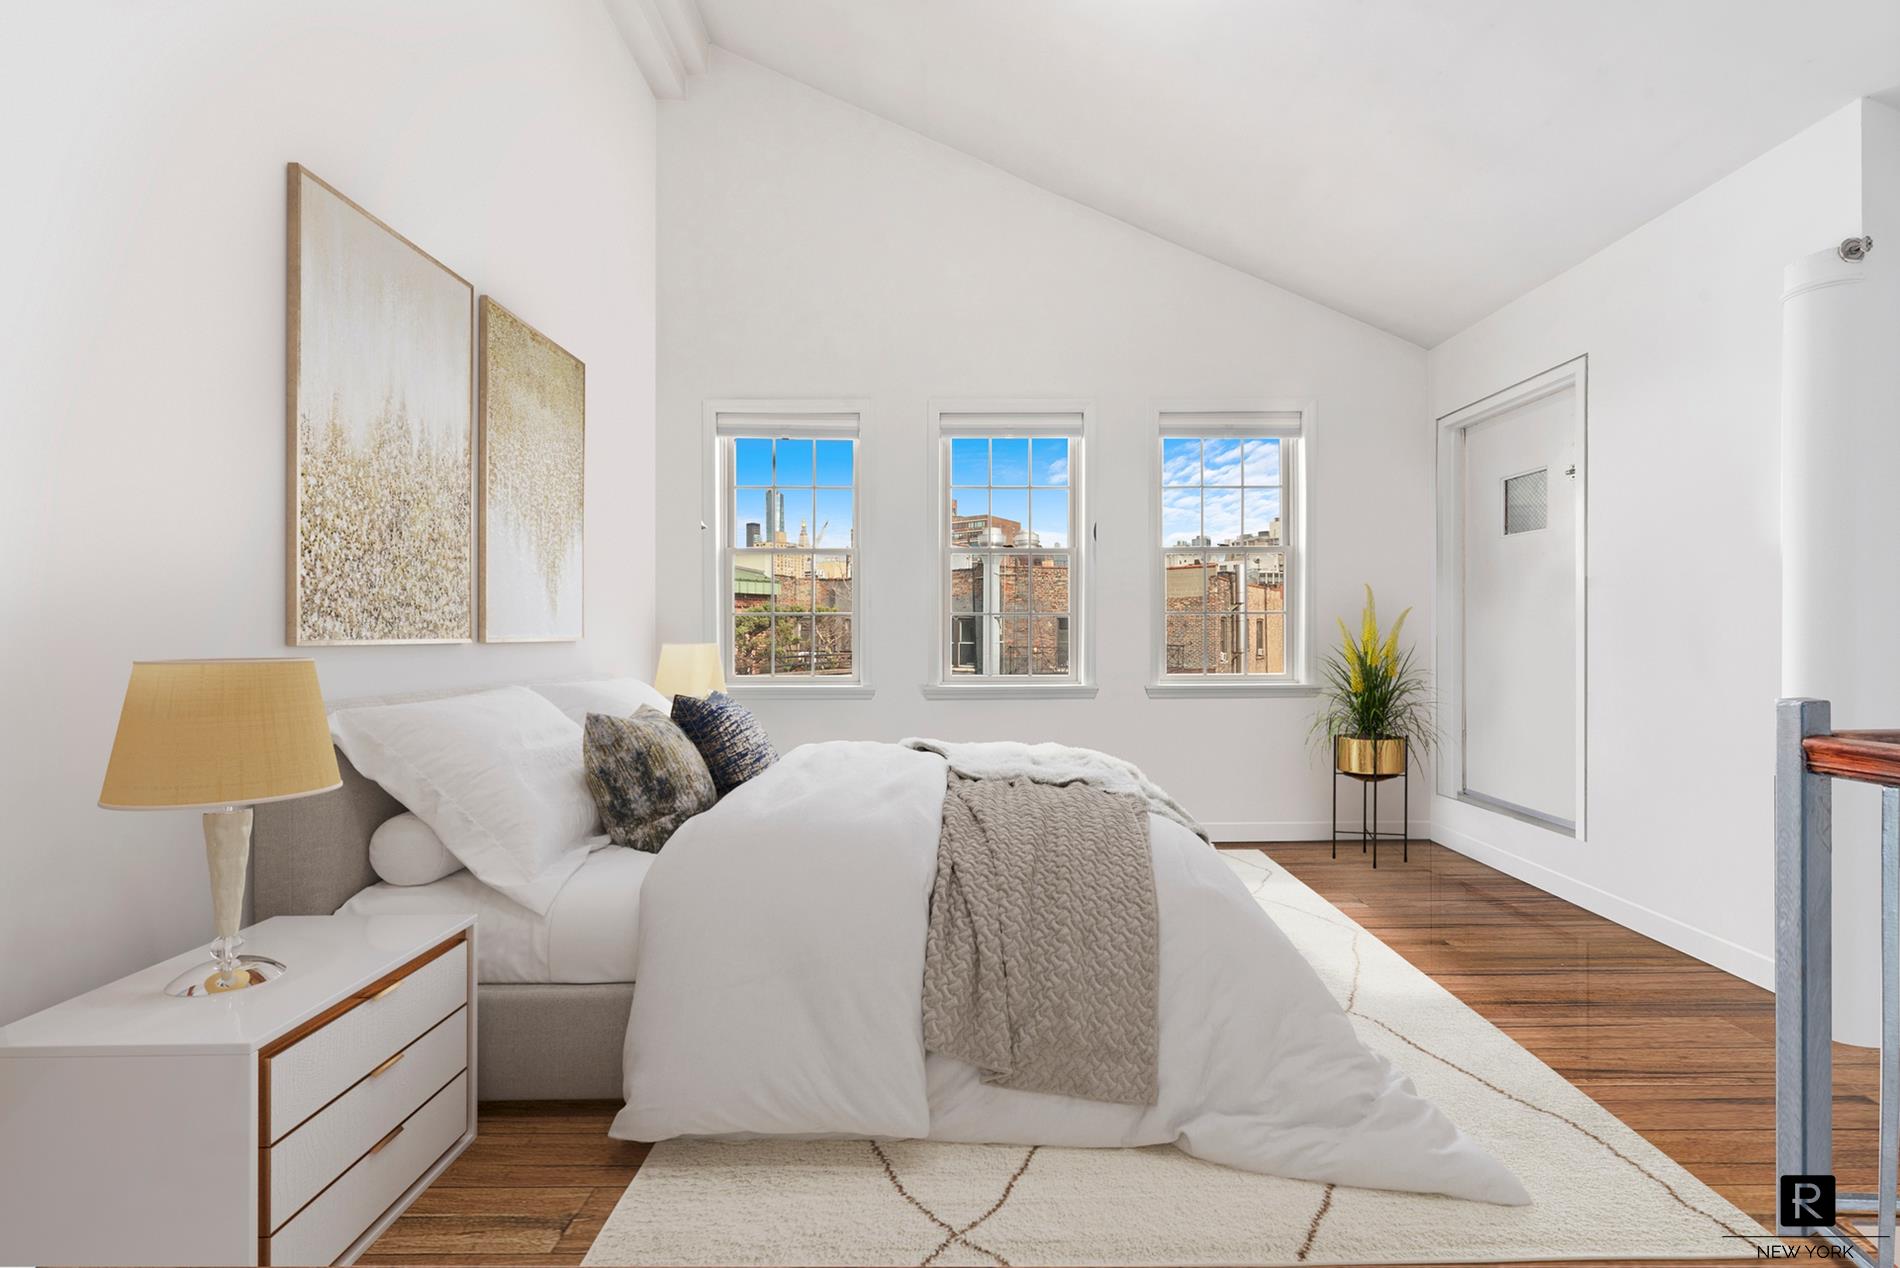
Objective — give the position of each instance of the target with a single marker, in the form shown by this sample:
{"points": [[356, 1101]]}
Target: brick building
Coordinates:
{"points": [[1205, 610], [1010, 614], [987, 530], [805, 601]]}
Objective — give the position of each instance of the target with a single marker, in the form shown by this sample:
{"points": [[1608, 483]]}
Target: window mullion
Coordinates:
{"points": [[992, 616], [771, 621]]}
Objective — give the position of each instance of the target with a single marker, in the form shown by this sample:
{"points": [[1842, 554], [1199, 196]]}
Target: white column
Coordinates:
{"points": [[1840, 562]]}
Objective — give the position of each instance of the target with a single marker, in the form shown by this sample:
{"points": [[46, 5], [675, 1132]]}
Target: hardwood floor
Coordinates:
{"points": [[534, 1188], [1681, 1052]]}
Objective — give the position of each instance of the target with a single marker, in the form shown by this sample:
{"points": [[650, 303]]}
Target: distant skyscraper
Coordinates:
{"points": [[752, 533], [775, 519]]}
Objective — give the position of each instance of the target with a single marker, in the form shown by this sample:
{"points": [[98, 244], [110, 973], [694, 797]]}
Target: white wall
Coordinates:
{"points": [[1839, 453], [142, 378], [1681, 322], [808, 249]]}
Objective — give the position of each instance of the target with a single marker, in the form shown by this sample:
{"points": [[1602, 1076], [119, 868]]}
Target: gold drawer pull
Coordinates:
{"points": [[385, 1065], [388, 990], [383, 1144]]}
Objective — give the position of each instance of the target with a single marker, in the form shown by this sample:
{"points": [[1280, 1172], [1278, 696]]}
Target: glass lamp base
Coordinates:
{"points": [[208, 978]]}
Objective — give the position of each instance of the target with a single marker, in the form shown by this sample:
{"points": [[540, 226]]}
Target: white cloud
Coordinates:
{"points": [[1221, 518], [1180, 515], [1263, 462], [1220, 462]]}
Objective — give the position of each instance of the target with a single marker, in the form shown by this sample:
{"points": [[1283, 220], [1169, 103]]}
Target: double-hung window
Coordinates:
{"points": [[1229, 567], [1012, 546], [788, 599]]}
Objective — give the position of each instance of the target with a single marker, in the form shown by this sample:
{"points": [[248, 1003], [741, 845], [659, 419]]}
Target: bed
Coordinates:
{"points": [[780, 940], [785, 962]]}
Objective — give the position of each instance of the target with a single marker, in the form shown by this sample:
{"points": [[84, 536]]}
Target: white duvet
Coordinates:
{"points": [[781, 966]]}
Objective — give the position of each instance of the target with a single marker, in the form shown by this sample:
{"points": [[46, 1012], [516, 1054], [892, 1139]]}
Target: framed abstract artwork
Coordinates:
{"points": [[531, 491], [381, 411]]}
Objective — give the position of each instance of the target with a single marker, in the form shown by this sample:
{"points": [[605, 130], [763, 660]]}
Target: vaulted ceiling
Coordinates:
{"points": [[1414, 163]]}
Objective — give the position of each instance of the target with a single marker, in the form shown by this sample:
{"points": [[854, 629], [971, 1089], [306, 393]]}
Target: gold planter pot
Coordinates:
{"points": [[1368, 757]]}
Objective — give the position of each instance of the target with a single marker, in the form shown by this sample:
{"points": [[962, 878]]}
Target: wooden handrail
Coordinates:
{"points": [[1870, 757]]}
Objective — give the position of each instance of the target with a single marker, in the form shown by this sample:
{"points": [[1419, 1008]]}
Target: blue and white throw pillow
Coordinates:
{"points": [[726, 734]]}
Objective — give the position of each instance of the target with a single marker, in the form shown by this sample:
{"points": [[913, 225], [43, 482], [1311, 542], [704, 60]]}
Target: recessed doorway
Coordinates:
{"points": [[1511, 554]]}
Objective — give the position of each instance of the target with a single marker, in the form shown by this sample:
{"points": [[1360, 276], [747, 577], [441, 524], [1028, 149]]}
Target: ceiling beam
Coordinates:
{"points": [[667, 38], [687, 26]]}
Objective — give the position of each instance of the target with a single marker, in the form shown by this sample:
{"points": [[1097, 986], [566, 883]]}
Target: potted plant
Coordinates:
{"points": [[1374, 702]]}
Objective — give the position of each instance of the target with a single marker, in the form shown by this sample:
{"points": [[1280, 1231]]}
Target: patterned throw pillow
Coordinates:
{"points": [[726, 734], [646, 776]]}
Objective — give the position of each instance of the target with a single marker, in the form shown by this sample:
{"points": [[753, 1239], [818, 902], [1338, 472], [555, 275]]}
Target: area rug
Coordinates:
{"points": [[1599, 1189]]}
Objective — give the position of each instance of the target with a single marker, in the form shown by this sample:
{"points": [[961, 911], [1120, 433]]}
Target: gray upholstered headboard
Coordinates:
{"points": [[310, 855]]}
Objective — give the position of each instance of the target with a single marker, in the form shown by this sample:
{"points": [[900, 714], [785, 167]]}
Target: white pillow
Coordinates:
{"points": [[496, 775], [406, 851], [615, 697]]}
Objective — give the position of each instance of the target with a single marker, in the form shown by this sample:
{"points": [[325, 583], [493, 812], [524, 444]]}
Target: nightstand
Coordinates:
{"points": [[285, 1124]]}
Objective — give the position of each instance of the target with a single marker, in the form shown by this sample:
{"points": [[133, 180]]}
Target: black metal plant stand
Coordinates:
{"points": [[1369, 834]]}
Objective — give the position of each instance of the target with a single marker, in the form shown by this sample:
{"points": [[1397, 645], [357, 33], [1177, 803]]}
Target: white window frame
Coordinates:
{"points": [[1289, 421], [1076, 420], [830, 419]]}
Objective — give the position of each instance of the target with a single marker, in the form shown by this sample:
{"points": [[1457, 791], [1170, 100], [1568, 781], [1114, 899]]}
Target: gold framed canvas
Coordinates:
{"points": [[532, 500], [380, 410]]}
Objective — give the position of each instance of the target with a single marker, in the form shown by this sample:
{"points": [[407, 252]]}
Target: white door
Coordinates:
{"points": [[1520, 608]]}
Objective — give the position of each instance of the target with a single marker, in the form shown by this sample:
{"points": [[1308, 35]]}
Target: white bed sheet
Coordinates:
{"points": [[590, 934]]}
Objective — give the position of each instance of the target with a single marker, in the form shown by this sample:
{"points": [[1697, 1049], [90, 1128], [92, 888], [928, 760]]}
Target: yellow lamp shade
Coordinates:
{"points": [[205, 734], [689, 669]]}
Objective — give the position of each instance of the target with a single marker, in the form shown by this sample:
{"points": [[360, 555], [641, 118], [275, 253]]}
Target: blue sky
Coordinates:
{"points": [[1220, 489], [1010, 460], [813, 476], [1014, 478], [825, 462]]}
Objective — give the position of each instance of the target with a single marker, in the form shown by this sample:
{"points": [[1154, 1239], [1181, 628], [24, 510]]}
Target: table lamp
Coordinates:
{"points": [[689, 669], [221, 736]]}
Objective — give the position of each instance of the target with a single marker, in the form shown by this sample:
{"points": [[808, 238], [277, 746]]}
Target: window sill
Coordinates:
{"points": [[1009, 691], [1228, 690], [800, 691]]}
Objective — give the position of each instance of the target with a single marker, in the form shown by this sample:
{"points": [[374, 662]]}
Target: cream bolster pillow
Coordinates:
{"points": [[495, 774], [615, 697], [406, 851]]}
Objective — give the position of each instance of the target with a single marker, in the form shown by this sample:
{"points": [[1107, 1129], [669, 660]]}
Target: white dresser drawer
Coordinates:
{"points": [[307, 1074], [324, 1229], [297, 1167], [136, 1128]]}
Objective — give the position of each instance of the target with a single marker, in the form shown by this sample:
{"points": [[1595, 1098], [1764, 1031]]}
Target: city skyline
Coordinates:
{"points": [[1223, 556]]}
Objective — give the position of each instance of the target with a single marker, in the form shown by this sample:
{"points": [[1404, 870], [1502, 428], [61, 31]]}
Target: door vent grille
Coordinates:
{"points": [[1526, 502]]}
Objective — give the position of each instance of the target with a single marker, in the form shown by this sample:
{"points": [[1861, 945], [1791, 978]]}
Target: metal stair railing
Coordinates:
{"points": [[1809, 755]]}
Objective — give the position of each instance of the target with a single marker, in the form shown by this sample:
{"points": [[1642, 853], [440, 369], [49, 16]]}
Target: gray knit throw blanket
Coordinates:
{"points": [[1042, 961]]}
